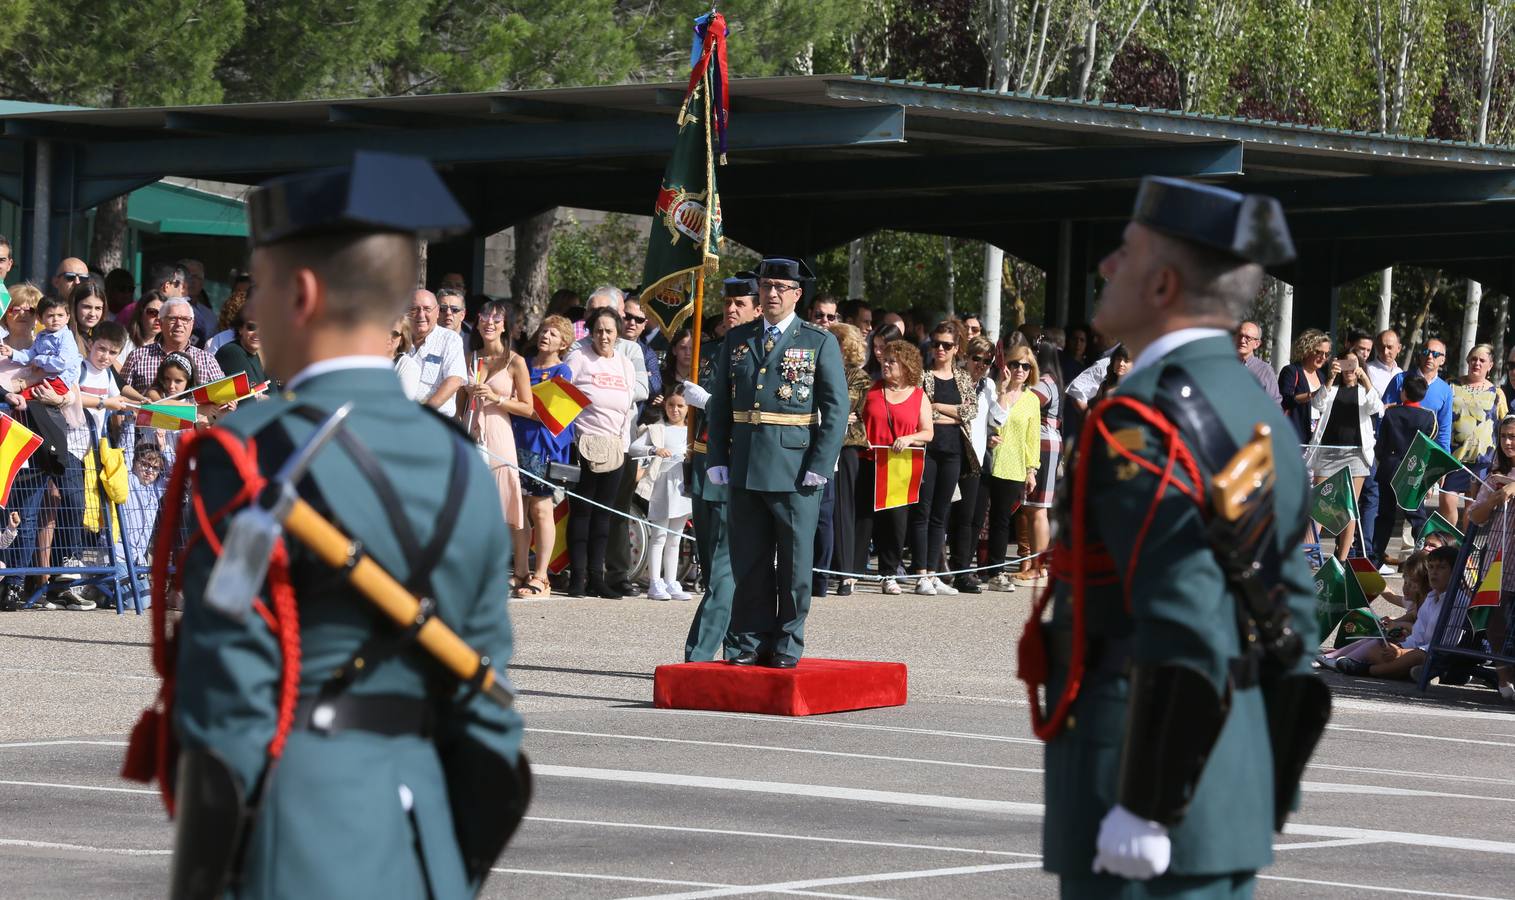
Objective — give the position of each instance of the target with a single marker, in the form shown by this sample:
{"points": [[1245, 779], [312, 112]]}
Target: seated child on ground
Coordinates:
{"points": [[1387, 660], [1395, 628]]}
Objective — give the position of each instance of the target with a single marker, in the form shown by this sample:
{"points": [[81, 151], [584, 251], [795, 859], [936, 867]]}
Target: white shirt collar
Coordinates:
{"points": [[336, 364], [1170, 342], [783, 324]]}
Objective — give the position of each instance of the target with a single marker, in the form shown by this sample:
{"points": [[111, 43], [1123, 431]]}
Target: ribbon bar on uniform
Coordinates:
{"points": [[758, 417]]}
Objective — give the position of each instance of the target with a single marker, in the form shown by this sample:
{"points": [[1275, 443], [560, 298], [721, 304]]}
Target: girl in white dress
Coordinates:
{"points": [[662, 487]]}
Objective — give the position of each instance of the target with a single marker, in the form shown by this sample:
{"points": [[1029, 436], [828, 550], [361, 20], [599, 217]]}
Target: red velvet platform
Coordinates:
{"points": [[815, 686]]}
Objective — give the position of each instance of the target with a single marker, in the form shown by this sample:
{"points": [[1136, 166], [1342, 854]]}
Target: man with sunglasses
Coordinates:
{"points": [[451, 306], [69, 274], [823, 311], [778, 413], [1426, 363], [1160, 763]]}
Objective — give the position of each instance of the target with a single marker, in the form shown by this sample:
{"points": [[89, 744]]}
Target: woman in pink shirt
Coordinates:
{"points": [[606, 378]]}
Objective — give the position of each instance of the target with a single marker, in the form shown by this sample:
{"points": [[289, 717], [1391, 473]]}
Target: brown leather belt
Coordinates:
{"points": [[758, 417]]}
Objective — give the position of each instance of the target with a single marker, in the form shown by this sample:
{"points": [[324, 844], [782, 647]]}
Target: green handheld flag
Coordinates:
{"points": [[685, 241], [1357, 624], [1332, 502], [1437, 525], [1336, 591], [1423, 466]]}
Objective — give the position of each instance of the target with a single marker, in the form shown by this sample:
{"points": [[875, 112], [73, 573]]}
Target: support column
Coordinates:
{"points": [[994, 276], [1283, 323], [39, 235], [951, 286], [1469, 324], [856, 286], [1058, 314], [1385, 300]]}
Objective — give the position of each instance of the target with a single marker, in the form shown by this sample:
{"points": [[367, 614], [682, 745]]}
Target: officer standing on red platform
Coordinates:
{"points": [[1180, 711]]}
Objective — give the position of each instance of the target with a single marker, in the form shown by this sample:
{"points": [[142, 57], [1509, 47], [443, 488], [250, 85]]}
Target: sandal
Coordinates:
{"points": [[533, 588]]}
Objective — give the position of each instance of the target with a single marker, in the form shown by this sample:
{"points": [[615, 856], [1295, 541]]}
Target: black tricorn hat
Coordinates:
{"points": [[785, 269], [378, 193], [743, 284], [1250, 227]]}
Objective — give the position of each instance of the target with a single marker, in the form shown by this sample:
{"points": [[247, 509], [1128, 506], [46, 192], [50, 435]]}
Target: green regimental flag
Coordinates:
{"points": [[1357, 624], [1423, 466], [1437, 525], [1336, 591], [1332, 502], [685, 241]]}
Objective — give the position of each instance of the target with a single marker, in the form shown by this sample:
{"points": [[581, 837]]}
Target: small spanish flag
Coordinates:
{"points": [[168, 416], [557, 403], [225, 390], [17, 444], [480, 370], [1486, 597], [897, 477], [559, 559]]}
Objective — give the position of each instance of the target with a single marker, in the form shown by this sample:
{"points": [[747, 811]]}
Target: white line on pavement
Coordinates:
{"points": [[1323, 787], [1310, 845], [1424, 737], [841, 880], [790, 720], [1439, 841], [903, 759], [806, 838], [1398, 707], [666, 881], [62, 743], [49, 845], [80, 787], [1009, 701], [1369, 770], [19, 670], [937, 801], [1376, 889]]}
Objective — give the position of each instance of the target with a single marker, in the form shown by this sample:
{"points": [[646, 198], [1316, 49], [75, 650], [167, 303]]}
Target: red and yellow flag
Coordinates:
{"points": [[17, 444], [224, 390], [897, 477], [559, 560], [1488, 589], [557, 403], [168, 416]]}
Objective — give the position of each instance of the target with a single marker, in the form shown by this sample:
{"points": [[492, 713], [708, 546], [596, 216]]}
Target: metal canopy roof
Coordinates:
{"points": [[818, 160]]}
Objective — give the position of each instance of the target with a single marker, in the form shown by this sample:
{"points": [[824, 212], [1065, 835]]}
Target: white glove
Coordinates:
{"points": [[1131, 847], [813, 480], [695, 396], [718, 474]]}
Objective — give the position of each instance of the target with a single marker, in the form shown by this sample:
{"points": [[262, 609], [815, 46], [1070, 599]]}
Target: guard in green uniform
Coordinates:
{"points": [[712, 620], [1180, 708], [777, 416], [324, 754]]}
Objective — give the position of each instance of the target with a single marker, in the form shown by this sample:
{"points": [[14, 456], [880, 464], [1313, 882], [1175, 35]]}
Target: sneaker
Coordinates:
{"points": [[943, 587], [1002, 582], [72, 562], [890, 586], [1325, 662], [1387, 569], [1349, 666], [658, 590], [925, 586], [74, 599], [845, 588], [677, 592]]}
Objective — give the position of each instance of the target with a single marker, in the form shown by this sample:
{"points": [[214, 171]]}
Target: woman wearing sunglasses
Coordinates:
{"points": [[241, 355], [1016, 457], [972, 507], [1300, 379], [954, 405]]}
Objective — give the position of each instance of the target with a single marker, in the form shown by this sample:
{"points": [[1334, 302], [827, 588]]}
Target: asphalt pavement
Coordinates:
{"points": [[1410, 795]]}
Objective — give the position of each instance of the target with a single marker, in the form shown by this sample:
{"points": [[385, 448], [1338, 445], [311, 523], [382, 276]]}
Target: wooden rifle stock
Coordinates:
{"points": [[1246, 479], [336, 550]]}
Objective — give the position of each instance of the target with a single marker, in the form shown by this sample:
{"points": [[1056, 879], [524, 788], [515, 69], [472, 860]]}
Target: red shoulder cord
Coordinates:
{"points": [[153, 749], [1082, 559]]}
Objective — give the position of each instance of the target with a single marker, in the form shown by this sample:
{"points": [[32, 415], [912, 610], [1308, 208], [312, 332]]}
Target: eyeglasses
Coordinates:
{"points": [[1433, 354], [151, 312], [941, 345], [72, 276], [491, 320], [422, 311], [452, 309], [983, 360], [634, 320], [826, 317], [179, 320], [781, 287], [1248, 339], [1024, 366]]}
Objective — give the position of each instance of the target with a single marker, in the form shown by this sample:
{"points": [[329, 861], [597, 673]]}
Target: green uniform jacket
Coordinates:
{"points": [[801, 375], [331, 822], [699, 485], [1180, 612]]}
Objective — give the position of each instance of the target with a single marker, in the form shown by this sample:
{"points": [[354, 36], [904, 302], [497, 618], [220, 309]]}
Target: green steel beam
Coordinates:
{"points": [[201, 123], [598, 140], [357, 116]]}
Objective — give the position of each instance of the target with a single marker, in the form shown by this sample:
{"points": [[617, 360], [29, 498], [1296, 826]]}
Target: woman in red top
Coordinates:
{"points": [[896, 415]]}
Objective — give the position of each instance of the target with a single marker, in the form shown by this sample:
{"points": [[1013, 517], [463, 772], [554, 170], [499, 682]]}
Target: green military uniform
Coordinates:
{"points": [[712, 620], [387, 785], [1157, 609], [776, 413]]}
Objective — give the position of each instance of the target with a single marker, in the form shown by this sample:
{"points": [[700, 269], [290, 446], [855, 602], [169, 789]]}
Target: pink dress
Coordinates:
{"points": [[494, 432]]}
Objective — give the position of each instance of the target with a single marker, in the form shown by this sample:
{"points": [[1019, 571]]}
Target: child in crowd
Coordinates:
{"points": [[1396, 434], [98, 388], [1417, 585], [663, 489], [53, 358], [174, 376], [1386, 660]]}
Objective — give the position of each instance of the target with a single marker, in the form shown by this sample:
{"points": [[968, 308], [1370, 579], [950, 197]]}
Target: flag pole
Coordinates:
{"points": [[699, 320]]}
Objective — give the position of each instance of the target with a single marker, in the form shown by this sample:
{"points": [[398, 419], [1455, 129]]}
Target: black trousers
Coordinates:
{"points": [[928, 518], [844, 522], [825, 538], [589, 526], [886, 528], [1005, 498], [618, 550], [967, 519]]}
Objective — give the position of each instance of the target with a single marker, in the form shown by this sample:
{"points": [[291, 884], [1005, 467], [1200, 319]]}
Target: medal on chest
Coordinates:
{"points": [[797, 371]]}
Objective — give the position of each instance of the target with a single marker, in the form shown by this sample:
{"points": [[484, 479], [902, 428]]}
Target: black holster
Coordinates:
{"points": [[488, 797], [1298, 708], [1173, 719], [213, 819]]}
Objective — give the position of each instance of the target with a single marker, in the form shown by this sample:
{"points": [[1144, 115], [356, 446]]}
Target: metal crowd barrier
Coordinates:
{"points": [[73, 543], [1460, 643]]}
